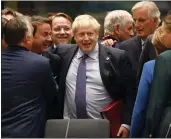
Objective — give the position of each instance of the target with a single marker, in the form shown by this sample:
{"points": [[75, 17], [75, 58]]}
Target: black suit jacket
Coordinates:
{"points": [[133, 47], [116, 74], [159, 108], [55, 66], [28, 89], [54, 59], [148, 53]]}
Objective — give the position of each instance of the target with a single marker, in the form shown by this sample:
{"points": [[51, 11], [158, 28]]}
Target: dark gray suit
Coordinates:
{"points": [[27, 91], [133, 47], [159, 108], [148, 53], [116, 74]]}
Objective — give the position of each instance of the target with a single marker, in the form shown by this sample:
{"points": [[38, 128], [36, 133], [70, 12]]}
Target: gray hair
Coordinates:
{"points": [[153, 10], [27, 20], [120, 17], [17, 28]]}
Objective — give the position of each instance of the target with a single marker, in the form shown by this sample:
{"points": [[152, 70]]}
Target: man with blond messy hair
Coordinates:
{"points": [[93, 76]]}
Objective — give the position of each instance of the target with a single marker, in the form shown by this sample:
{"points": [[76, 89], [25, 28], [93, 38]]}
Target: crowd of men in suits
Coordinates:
{"points": [[44, 76]]}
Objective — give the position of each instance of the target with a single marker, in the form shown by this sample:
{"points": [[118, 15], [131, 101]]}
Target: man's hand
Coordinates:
{"points": [[123, 132], [108, 42]]}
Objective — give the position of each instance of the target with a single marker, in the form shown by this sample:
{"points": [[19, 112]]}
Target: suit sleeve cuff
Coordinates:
{"points": [[126, 126]]}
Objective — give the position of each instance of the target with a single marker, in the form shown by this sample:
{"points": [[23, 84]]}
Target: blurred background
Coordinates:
{"points": [[98, 9]]}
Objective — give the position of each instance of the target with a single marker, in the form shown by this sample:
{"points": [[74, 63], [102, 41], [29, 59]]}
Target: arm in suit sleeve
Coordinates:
{"points": [[139, 111], [49, 85], [50, 92], [160, 92], [129, 85], [54, 62]]}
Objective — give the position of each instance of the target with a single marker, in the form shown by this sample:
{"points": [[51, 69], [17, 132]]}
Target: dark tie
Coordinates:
{"points": [[80, 95]]}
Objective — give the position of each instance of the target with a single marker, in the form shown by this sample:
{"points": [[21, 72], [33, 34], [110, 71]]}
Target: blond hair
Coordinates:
{"points": [[85, 21], [52, 17], [156, 40]]}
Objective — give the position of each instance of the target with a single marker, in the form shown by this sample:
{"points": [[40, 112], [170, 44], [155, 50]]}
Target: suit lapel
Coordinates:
{"points": [[104, 64], [66, 61], [139, 45]]}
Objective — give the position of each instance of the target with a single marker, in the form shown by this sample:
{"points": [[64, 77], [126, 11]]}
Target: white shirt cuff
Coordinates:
{"points": [[126, 126]]}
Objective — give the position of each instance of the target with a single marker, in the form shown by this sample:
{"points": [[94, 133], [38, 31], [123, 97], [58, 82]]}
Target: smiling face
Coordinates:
{"points": [[42, 38], [86, 39], [61, 30]]}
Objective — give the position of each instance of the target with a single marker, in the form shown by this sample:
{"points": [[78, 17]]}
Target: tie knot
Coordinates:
{"points": [[85, 56]]}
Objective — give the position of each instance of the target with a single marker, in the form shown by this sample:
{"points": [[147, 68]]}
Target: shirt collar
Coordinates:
{"points": [[142, 42], [93, 54], [54, 46]]}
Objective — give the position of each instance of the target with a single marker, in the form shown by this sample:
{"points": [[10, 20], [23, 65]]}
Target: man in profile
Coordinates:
{"points": [[146, 16], [118, 26]]}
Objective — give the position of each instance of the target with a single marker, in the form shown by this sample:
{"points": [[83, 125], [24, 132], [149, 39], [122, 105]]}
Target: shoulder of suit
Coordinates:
{"points": [[166, 54], [115, 50], [66, 46], [130, 42], [149, 38], [62, 49], [148, 43], [36, 58], [115, 53]]}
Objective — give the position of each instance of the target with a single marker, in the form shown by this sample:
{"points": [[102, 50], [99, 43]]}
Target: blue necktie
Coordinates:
{"points": [[80, 95]]}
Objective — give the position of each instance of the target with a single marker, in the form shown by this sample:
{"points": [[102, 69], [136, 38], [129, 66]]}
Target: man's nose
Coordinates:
{"points": [[62, 31], [86, 37], [137, 24], [132, 33], [49, 38]]}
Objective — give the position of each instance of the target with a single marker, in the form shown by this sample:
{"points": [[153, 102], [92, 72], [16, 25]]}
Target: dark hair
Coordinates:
{"points": [[3, 23], [38, 20], [50, 14], [62, 15], [169, 12], [15, 30]]}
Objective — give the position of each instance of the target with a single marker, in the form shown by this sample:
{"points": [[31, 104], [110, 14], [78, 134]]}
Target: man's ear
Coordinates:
{"points": [[72, 34], [28, 40], [155, 20], [117, 29]]}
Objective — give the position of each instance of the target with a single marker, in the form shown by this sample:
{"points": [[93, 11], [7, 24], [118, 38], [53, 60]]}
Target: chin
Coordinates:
{"points": [[87, 51]]}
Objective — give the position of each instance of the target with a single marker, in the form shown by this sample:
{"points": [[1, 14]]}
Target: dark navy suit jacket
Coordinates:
{"points": [[27, 91]]}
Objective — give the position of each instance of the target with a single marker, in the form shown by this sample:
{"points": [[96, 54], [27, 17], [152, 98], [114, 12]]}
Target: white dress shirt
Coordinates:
{"points": [[97, 98], [142, 44]]}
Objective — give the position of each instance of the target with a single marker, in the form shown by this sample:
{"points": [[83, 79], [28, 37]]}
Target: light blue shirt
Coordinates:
{"points": [[97, 98]]}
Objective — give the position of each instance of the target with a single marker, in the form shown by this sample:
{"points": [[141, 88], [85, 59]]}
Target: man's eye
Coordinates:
{"points": [[141, 20], [90, 34]]}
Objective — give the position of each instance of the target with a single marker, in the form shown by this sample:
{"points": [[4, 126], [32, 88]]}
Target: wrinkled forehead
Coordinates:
{"points": [[140, 13]]}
